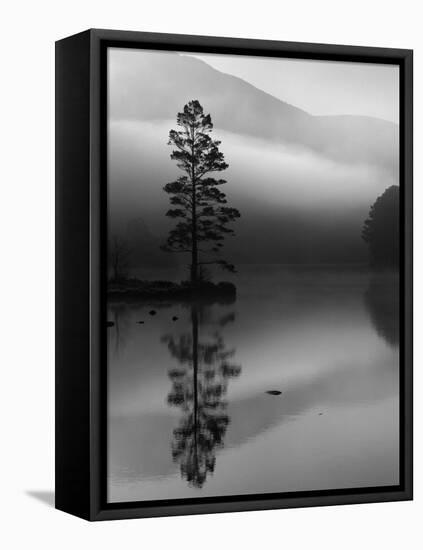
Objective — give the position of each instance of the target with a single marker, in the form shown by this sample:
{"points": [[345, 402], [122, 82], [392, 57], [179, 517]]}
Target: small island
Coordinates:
{"points": [[135, 289]]}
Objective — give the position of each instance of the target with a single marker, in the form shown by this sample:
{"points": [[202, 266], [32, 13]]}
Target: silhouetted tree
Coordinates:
{"points": [[198, 201], [199, 387], [381, 229], [119, 254]]}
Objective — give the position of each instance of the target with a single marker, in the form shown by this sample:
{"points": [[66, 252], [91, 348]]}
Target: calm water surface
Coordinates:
{"points": [[188, 410]]}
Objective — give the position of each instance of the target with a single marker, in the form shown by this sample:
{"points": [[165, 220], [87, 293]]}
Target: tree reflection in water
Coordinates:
{"points": [[382, 303], [119, 314], [199, 387]]}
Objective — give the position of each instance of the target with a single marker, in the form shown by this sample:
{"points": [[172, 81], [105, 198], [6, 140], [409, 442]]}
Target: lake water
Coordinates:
{"points": [[188, 410]]}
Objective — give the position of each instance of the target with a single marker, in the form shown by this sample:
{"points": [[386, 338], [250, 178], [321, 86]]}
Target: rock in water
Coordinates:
{"points": [[273, 392], [174, 318], [110, 324], [152, 312], [140, 322]]}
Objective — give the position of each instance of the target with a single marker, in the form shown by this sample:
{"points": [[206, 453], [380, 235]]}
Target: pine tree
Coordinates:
{"points": [[199, 204]]}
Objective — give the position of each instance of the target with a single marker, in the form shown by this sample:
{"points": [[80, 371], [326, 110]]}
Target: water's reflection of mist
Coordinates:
{"points": [[382, 303], [147, 448], [199, 387]]}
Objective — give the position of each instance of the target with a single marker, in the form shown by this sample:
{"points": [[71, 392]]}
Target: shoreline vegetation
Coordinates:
{"points": [[132, 288]]}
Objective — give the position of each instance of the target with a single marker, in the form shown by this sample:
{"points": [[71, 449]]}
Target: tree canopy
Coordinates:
{"points": [[199, 205]]}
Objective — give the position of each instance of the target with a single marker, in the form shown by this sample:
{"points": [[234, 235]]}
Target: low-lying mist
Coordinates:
{"points": [[296, 205]]}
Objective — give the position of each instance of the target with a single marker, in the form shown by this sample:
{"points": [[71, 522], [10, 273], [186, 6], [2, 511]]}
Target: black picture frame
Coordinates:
{"points": [[81, 236]]}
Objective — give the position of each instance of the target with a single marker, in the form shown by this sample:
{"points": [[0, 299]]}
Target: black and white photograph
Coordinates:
{"points": [[210, 231], [253, 275]]}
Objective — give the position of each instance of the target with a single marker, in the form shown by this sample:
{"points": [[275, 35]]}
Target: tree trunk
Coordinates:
{"points": [[194, 246], [194, 264]]}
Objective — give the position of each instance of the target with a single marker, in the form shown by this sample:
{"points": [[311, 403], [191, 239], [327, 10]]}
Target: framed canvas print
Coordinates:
{"points": [[234, 274]]}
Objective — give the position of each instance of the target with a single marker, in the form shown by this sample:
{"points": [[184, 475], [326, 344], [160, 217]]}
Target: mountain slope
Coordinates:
{"points": [[158, 84]]}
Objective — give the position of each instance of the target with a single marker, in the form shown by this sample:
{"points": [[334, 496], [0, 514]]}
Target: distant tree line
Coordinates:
{"points": [[381, 229], [119, 255]]}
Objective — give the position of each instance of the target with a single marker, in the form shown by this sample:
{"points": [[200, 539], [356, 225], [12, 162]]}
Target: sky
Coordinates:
{"points": [[319, 87]]}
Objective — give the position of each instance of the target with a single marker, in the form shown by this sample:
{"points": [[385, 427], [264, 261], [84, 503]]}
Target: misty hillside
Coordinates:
{"points": [[239, 107], [303, 184]]}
